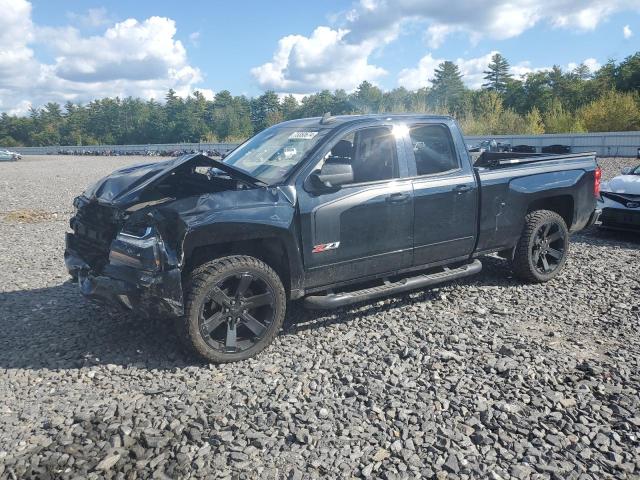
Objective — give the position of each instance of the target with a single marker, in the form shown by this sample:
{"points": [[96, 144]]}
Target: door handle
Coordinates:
{"points": [[397, 197], [463, 188]]}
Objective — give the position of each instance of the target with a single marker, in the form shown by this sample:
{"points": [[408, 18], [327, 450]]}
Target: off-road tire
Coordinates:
{"points": [[198, 287], [524, 264]]}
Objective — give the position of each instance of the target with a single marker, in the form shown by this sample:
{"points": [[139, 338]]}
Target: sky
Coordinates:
{"points": [[73, 50]]}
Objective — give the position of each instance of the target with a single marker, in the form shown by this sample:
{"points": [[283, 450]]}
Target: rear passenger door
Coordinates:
{"points": [[445, 194], [363, 228]]}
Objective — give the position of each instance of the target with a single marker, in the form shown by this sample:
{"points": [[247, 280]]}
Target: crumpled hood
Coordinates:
{"points": [[125, 186], [623, 184]]}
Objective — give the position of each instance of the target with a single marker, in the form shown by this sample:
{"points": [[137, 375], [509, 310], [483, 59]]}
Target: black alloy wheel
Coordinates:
{"points": [[548, 247], [541, 251], [234, 308], [237, 312]]}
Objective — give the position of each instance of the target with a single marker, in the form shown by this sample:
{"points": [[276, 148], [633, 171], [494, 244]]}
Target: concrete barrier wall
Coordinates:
{"points": [[129, 149], [609, 144]]}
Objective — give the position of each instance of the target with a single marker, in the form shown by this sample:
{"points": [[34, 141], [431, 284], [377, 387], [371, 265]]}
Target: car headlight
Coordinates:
{"points": [[138, 251]]}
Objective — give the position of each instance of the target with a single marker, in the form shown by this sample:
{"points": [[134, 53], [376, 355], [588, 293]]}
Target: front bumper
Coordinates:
{"points": [[621, 219], [594, 217], [145, 292]]}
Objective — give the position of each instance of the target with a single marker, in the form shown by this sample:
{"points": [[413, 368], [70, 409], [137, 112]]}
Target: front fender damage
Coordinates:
{"points": [[161, 292]]}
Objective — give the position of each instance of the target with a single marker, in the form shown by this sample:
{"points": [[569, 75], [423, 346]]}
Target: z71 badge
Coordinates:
{"points": [[323, 247]]}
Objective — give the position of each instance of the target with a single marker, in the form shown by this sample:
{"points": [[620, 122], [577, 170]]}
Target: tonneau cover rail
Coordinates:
{"points": [[503, 159]]}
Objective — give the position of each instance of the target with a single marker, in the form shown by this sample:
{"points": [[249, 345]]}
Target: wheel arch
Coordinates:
{"points": [[274, 246], [563, 205]]}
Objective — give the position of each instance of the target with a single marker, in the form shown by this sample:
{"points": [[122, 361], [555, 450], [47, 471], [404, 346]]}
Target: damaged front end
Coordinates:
{"points": [[124, 247], [121, 263], [129, 229]]}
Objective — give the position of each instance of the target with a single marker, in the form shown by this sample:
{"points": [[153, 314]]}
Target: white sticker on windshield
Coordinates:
{"points": [[302, 135]]}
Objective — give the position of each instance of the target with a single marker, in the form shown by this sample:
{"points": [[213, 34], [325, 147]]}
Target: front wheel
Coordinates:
{"points": [[234, 308], [542, 250]]}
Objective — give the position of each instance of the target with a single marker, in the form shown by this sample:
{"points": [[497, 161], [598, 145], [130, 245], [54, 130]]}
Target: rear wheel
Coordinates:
{"points": [[543, 247], [234, 308]]}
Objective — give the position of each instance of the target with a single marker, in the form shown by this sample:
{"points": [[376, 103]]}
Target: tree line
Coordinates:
{"points": [[549, 101]]}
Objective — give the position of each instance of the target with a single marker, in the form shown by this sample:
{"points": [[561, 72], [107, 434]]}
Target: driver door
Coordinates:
{"points": [[363, 228]]}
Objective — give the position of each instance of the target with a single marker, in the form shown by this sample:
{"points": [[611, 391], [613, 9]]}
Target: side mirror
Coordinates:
{"points": [[626, 170], [334, 173]]}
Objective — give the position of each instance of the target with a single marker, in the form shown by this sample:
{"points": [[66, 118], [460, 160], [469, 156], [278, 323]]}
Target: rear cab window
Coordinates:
{"points": [[433, 149]]}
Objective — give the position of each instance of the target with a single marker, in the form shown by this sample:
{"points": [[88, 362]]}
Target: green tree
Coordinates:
{"points": [[533, 122], [559, 120], [367, 98], [613, 112], [556, 100], [318, 104], [606, 76], [265, 111], [447, 89], [289, 107], [628, 74], [497, 74]]}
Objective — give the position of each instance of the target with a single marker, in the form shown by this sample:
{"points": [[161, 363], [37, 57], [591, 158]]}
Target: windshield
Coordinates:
{"points": [[270, 155]]}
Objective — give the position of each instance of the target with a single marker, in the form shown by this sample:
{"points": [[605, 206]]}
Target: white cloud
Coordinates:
{"points": [[206, 93], [339, 57], [194, 38], [323, 60], [437, 34], [522, 68], [589, 14], [92, 18], [137, 58], [626, 32], [499, 19], [473, 69], [591, 63], [421, 76]]}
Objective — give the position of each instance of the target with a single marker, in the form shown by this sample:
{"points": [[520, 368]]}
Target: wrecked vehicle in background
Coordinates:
{"points": [[490, 146], [9, 156], [620, 201], [335, 210]]}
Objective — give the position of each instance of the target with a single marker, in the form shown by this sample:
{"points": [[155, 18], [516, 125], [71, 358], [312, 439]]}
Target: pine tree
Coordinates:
{"points": [[497, 75], [367, 98], [447, 88], [289, 107]]}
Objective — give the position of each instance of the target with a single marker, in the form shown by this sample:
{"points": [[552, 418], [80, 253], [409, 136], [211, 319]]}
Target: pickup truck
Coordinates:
{"points": [[332, 210]]}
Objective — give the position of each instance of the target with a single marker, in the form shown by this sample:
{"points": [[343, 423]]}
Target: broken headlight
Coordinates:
{"points": [[137, 248]]}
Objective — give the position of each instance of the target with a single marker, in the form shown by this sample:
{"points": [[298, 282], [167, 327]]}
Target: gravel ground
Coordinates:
{"points": [[481, 378]]}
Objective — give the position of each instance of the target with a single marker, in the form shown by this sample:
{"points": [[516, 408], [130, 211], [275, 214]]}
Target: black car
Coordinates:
{"points": [[557, 149], [335, 210], [524, 149]]}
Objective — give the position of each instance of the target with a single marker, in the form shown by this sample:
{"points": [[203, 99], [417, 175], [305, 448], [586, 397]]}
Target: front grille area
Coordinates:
{"points": [[619, 218], [94, 227]]}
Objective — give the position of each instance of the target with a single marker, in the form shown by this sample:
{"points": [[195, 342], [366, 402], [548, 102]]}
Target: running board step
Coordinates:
{"points": [[334, 300]]}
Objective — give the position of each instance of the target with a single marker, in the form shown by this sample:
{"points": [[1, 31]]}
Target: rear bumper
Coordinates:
{"points": [[147, 293]]}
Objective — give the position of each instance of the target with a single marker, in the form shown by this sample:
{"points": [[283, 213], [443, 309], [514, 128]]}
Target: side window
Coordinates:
{"points": [[371, 152], [433, 149]]}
